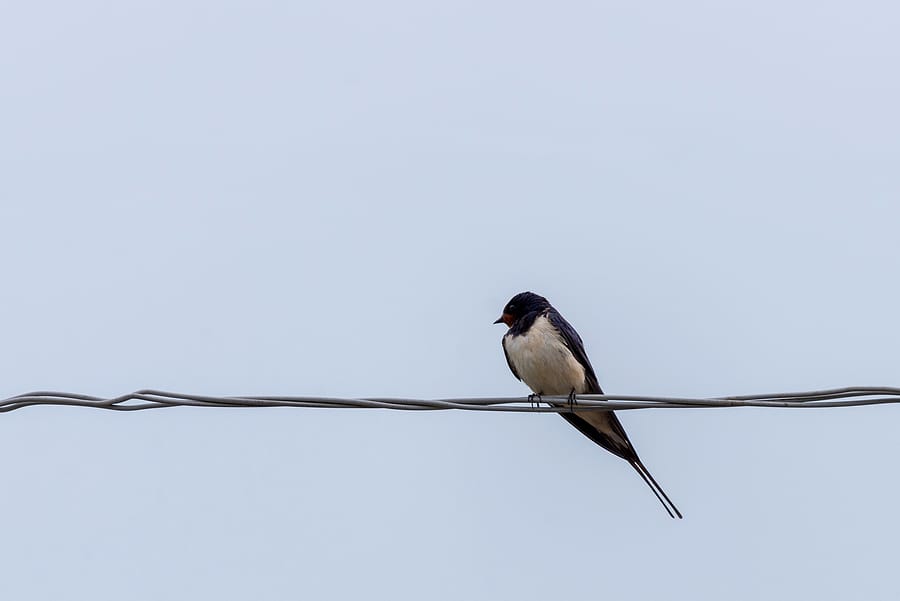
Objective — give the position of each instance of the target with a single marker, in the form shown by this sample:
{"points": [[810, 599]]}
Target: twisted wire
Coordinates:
{"points": [[140, 400]]}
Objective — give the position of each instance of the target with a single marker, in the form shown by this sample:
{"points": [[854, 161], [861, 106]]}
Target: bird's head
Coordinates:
{"points": [[520, 305]]}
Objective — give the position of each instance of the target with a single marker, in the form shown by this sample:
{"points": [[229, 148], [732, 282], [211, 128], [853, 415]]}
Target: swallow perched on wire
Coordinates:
{"points": [[546, 353]]}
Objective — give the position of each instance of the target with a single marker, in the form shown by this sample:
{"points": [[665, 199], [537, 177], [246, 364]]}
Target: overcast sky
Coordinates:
{"points": [[338, 198]]}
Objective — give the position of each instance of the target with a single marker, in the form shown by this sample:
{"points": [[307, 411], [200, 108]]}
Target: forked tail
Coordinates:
{"points": [[656, 488]]}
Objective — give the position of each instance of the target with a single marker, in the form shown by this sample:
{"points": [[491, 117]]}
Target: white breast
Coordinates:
{"points": [[543, 361]]}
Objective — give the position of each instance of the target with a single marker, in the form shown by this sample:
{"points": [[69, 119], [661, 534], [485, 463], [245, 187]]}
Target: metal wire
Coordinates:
{"points": [[853, 396]]}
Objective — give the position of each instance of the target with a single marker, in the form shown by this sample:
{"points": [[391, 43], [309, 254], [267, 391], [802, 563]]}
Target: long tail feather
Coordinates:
{"points": [[657, 489]]}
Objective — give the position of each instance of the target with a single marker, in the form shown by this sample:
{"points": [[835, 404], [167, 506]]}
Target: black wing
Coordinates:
{"points": [[573, 341], [508, 362], [604, 427]]}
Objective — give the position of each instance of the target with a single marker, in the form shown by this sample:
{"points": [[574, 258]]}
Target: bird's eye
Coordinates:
{"points": [[510, 308]]}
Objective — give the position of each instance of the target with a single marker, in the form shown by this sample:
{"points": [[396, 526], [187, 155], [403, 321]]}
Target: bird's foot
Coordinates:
{"points": [[572, 399], [535, 400]]}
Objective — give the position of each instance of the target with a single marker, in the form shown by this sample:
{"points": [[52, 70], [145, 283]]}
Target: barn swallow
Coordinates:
{"points": [[546, 353]]}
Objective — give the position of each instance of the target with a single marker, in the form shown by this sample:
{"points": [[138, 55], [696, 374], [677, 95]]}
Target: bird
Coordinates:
{"points": [[544, 351]]}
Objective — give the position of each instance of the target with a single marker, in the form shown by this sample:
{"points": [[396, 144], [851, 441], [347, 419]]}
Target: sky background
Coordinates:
{"points": [[337, 198]]}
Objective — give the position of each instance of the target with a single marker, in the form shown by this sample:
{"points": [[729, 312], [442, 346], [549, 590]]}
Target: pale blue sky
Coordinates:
{"points": [[338, 198]]}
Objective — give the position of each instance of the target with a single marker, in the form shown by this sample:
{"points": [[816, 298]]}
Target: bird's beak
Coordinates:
{"points": [[505, 318]]}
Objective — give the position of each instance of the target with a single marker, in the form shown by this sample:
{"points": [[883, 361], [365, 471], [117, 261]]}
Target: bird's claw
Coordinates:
{"points": [[534, 399], [572, 399]]}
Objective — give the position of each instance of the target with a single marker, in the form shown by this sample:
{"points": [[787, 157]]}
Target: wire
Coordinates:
{"points": [[156, 399]]}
